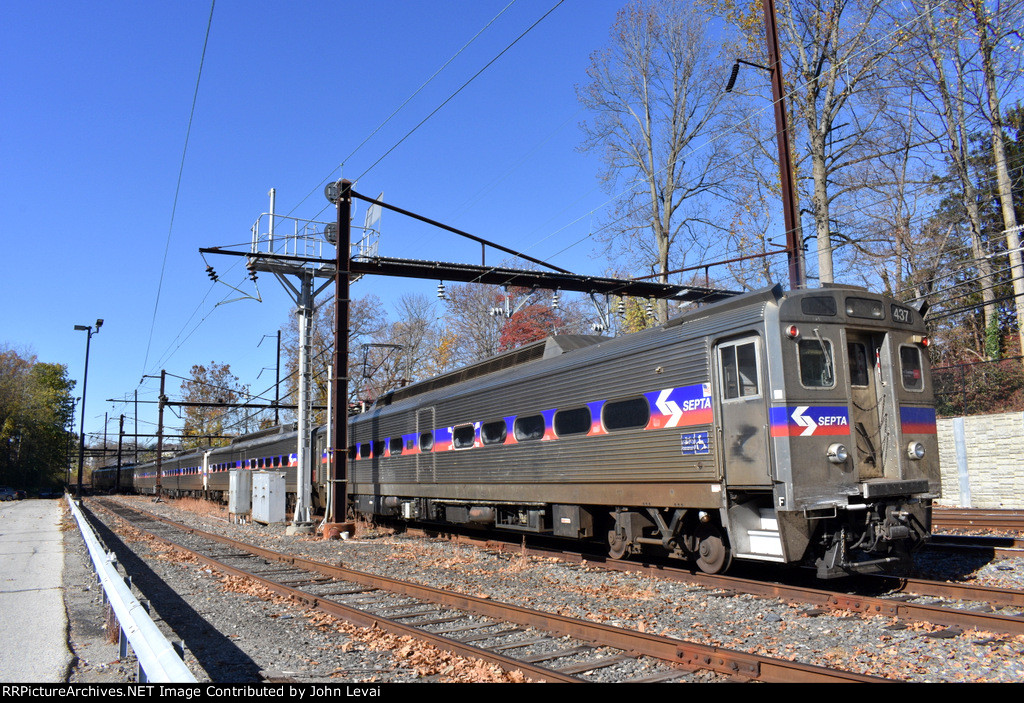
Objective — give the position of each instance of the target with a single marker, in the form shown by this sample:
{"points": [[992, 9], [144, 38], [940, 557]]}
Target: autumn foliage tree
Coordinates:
{"points": [[35, 413], [532, 323], [217, 389]]}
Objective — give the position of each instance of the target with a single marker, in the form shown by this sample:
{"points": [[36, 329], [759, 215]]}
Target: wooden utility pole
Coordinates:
{"points": [[794, 240]]}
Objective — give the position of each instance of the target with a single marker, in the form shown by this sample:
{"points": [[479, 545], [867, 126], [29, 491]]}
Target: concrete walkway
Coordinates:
{"points": [[33, 622]]}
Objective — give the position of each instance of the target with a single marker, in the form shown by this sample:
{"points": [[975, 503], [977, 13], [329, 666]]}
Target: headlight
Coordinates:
{"points": [[915, 450], [837, 453]]}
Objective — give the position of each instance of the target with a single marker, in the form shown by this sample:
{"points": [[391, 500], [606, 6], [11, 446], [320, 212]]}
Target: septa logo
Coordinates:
{"points": [[808, 421], [679, 407]]}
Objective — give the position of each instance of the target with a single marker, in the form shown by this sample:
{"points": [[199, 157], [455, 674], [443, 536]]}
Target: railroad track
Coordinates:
{"points": [[972, 518], [897, 605], [953, 605], [512, 637], [989, 544]]}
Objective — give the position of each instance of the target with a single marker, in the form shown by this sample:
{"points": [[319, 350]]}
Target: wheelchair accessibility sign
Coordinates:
{"points": [[695, 443]]}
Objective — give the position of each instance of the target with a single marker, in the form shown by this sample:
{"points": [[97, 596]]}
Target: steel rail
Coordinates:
{"points": [[986, 544], [937, 615], [961, 591], [974, 518], [352, 615], [690, 655], [978, 541]]}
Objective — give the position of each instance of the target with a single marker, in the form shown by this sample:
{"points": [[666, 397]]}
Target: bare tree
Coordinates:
{"points": [[999, 65], [366, 318], [469, 329], [844, 110], [835, 49], [655, 94], [404, 351], [893, 196], [946, 78]]}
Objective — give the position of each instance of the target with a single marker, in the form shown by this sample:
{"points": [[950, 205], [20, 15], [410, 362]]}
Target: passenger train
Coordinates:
{"points": [[789, 427]]}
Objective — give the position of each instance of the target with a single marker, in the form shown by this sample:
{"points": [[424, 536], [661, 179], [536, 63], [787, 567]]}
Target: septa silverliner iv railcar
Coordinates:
{"points": [[795, 427], [791, 428]]}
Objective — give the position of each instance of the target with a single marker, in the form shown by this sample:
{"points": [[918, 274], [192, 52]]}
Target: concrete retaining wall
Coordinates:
{"points": [[982, 460]]}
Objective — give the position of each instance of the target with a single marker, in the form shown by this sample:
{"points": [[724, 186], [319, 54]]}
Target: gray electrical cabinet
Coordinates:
{"points": [[240, 492], [268, 497]]}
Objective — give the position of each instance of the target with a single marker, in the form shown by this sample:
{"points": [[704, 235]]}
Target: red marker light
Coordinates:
{"points": [[792, 332]]}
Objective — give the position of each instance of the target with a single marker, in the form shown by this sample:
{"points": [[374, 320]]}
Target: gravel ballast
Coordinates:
{"points": [[236, 633]]}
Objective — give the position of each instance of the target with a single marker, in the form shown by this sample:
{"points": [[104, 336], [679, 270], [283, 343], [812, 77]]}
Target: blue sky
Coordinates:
{"points": [[96, 102]]}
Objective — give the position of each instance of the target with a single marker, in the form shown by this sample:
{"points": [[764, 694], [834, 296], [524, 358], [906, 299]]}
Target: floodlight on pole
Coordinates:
{"points": [[85, 381]]}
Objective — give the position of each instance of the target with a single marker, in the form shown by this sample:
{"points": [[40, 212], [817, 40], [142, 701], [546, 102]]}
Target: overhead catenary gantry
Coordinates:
{"points": [[301, 254]]}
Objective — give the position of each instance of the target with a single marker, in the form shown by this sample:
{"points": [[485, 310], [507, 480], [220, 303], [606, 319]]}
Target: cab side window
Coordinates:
{"points": [[816, 367], [739, 370], [910, 368]]}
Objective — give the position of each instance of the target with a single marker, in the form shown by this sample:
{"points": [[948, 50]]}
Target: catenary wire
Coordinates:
{"points": [[177, 188]]}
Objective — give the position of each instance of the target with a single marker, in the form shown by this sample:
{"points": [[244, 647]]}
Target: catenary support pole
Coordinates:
{"points": [[339, 483]]}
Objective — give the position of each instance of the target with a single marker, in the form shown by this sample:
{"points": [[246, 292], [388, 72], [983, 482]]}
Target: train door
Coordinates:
{"points": [[864, 351], [425, 419], [319, 474], [744, 417]]}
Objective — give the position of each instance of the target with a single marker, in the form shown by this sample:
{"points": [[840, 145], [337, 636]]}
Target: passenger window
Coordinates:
{"points": [[529, 428], [910, 366], [463, 437], [739, 370], [859, 371], [364, 450], [426, 441], [626, 414], [575, 421], [396, 445], [494, 432], [816, 367]]}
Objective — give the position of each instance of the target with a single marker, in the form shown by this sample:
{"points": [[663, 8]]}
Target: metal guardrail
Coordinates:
{"points": [[158, 661]]}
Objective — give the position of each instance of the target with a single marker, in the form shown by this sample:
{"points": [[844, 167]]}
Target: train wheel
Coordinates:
{"points": [[713, 555], [618, 547]]}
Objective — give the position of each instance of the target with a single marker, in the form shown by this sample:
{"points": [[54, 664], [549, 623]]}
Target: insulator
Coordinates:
{"points": [[554, 301], [211, 273], [622, 306], [650, 309], [440, 290], [732, 77]]}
